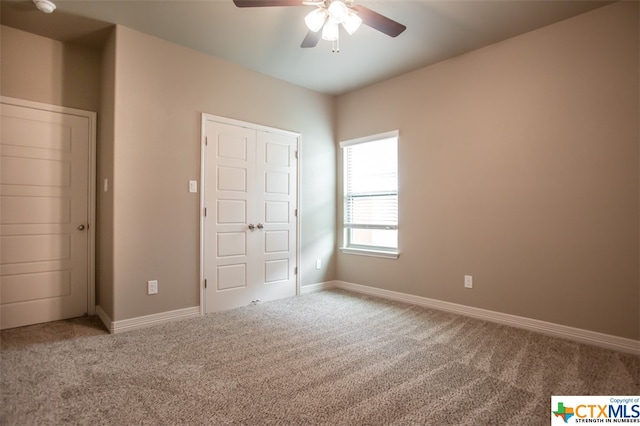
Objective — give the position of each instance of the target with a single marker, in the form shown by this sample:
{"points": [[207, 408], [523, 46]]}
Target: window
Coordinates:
{"points": [[371, 195]]}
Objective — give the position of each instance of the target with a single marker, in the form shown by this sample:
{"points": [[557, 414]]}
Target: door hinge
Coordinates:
{"points": [[295, 271], [205, 283], [206, 140], [295, 213], [296, 154], [205, 212]]}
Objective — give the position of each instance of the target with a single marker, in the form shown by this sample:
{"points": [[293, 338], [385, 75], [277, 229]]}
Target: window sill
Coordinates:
{"points": [[372, 253]]}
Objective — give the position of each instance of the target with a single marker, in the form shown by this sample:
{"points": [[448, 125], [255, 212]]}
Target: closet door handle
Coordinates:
{"points": [[252, 226], [260, 226]]}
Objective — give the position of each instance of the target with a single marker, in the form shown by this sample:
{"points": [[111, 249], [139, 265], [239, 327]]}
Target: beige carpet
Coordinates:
{"points": [[333, 358]]}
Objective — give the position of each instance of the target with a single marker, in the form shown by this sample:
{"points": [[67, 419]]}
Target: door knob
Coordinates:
{"points": [[252, 226], [81, 227], [260, 226]]}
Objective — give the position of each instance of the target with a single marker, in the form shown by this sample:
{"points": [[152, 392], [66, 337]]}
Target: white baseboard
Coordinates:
{"points": [[147, 320], [557, 330], [313, 288]]}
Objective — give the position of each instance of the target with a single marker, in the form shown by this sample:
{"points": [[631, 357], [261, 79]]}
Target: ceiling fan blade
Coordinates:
{"points": [[311, 39], [267, 3], [379, 22]]}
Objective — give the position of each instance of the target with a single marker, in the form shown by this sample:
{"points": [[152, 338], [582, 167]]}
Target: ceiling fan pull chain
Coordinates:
{"points": [[336, 46]]}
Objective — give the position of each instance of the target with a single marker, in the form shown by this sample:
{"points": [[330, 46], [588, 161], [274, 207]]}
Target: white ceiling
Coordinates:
{"points": [[268, 39]]}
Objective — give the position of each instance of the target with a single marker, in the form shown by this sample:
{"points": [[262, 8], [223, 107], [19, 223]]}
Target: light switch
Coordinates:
{"points": [[193, 186], [468, 281]]}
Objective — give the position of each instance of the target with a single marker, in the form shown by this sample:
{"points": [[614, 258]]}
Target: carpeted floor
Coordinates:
{"points": [[332, 358]]}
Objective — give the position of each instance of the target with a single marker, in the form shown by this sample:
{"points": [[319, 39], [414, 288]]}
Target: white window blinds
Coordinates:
{"points": [[371, 189]]}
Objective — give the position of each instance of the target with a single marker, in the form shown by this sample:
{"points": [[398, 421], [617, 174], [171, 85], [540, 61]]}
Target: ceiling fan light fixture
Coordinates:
{"points": [[45, 6], [316, 19], [338, 11], [351, 22], [330, 30]]}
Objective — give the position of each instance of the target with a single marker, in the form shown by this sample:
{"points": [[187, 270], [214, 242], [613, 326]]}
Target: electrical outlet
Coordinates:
{"points": [[318, 263], [152, 287], [468, 281]]}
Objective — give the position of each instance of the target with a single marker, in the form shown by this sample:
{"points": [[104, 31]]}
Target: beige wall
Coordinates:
{"points": [[44, 70], [161, 89], [104, 199], [519, 165]]}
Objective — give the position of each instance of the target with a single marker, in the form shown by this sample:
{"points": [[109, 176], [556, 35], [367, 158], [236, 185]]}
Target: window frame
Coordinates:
{"points": [[366, 250]]}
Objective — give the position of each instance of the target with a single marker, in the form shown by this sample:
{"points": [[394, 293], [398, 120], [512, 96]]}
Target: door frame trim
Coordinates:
{"points": [[259, 127], [91, 196]]}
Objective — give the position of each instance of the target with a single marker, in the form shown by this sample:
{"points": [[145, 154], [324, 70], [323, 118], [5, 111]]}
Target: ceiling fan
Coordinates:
{"points": [[328, 16]]}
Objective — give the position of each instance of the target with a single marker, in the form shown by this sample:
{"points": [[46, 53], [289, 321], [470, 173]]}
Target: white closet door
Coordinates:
{"points": [[44, 238], [249, 230], [276, 198]]}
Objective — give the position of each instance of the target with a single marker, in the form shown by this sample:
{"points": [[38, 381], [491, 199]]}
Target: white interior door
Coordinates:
{"points": [[250, 230], [228, 188], [44, 206], [276, 179]]}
